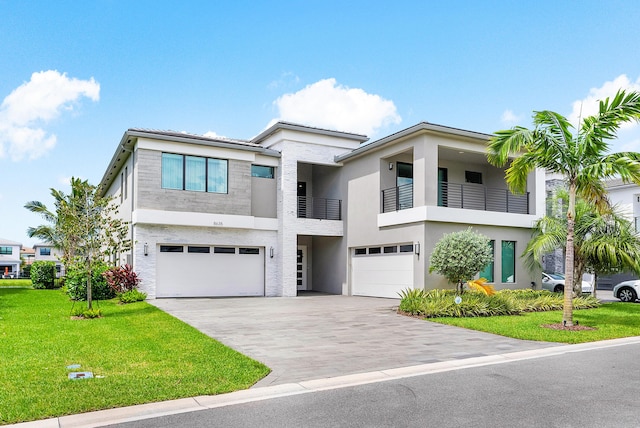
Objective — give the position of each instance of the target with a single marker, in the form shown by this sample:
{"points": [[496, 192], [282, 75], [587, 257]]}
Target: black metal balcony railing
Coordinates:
{"points": [[478, 197], [397, 198], [319, 208], [454, 195]]}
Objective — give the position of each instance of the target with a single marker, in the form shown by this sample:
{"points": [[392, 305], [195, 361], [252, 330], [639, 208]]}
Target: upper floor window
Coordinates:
{"points": [[473, 177], [195, 173], [6, 250], [45, 251], [262, 171]]}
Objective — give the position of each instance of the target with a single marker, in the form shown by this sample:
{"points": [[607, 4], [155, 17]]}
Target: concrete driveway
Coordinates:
{"points": [[319, 336]]}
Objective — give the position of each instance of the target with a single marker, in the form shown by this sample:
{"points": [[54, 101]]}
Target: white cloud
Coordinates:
{"points": [[629, 134], [510, 118], [325, 104], [589, 105], [212, 134], [34, 103], [286, 79]]}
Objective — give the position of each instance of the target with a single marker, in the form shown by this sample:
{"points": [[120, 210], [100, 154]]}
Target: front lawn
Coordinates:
{"points": [[610, 320], [138, 354], [15, 283]]}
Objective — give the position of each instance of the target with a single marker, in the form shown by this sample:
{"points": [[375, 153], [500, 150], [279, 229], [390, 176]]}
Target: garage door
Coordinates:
{"points": [[209, 271], [381, 275]]}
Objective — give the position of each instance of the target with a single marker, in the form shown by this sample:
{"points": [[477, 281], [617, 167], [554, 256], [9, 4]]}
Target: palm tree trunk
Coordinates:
{"points": [[567, 307]]}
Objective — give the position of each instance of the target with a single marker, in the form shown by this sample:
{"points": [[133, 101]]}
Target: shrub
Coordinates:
{"points": [[26, 271], [132, 296], [43, 274], [459, 256], [121, 279], [76, 282], [441, 303], [82, 312]]}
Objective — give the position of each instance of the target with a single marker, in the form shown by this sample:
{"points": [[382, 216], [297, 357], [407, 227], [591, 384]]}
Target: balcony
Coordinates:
{"points": [[397, 198], [454, 195], [478, 197], [319, 208]]}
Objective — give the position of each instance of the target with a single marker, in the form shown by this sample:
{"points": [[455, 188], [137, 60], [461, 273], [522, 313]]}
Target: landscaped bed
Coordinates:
{"points": [[136, 353], [526, 314]]}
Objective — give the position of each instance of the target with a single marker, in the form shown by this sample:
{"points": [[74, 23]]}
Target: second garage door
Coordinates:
{"points": [[381, 275], [209, 271]]}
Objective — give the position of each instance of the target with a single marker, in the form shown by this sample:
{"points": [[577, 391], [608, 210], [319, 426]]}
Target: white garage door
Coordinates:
{"points": [[209, 271], [381, 275]]}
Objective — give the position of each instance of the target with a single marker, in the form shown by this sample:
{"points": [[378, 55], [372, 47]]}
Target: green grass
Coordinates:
{"points": [[15, 283], [611, 320], [144, 354]]}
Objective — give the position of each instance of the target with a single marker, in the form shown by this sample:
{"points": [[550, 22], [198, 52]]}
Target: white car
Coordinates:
{"points": [[627, 291], [555, 282]]}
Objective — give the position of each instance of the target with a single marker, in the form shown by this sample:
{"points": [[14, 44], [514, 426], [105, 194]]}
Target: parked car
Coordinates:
{"points": [[627, 291], [555, 282]]}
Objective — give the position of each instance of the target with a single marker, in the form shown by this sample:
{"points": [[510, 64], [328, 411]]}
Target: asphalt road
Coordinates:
{"points": [[595, 388]]}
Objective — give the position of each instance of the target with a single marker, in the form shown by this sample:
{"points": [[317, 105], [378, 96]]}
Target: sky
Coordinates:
{"points": [[74, 76]]}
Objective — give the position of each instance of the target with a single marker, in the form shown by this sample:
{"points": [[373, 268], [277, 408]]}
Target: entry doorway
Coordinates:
{"points": [[301, 267]]}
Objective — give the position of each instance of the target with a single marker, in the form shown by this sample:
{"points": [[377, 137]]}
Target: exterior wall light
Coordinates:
{"points": [[271, 252], [146, 249], [390, 166], [417, 248]]}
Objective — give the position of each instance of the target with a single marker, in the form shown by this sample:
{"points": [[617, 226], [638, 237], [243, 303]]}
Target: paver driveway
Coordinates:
{"points": [[317, 336]]}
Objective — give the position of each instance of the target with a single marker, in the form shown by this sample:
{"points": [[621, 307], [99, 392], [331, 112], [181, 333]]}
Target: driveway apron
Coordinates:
{"points": [[318, 336]]}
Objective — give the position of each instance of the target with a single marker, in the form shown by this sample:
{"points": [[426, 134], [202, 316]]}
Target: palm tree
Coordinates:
{"points": [[605, 242], [581, 157]]}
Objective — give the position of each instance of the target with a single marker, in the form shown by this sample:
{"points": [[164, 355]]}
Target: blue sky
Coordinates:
{"points": [[75, 75]]}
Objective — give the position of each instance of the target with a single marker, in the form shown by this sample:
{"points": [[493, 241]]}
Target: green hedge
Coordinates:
{"points": [[43, 274]]}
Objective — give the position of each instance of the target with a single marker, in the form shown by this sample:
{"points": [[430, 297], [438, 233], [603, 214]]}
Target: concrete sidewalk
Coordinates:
{"points": [[319, 336]]}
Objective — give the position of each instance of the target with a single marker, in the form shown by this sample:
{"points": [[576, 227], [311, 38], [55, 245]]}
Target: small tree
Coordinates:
{"points": [[459, 256]]}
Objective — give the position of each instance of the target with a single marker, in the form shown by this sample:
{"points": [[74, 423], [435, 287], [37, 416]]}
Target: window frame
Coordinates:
{"points": [[255, 171], [491, 267], [6, 250], [182, 173]]}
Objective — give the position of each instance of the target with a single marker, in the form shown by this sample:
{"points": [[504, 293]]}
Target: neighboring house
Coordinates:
{"points": [[9, 258], [28, 255], [47, 252], [624, 195], [300, 208]]}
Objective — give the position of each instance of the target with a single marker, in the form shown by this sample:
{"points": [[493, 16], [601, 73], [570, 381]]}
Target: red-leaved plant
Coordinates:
{"points": [[122, 278]]}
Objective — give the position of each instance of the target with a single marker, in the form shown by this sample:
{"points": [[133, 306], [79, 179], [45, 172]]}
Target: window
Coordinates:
{"points": [[509, 261], [6, 250], [405, 174], [361, 251], [249, 251], [262, 171], [193, 249], [217, 181], [194, 173], [487, 272], [45, 251], [224, 250], [171, 249], [473, 177], [374, 250], [393, 249], [406, 248]]}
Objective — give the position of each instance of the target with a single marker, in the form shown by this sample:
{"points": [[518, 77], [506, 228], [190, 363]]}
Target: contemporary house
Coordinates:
{"points": [[9, 258], [47, 252], [300, 208]]}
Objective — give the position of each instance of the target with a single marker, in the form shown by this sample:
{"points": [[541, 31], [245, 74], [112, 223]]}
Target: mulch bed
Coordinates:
{"points": [[561, 326]]}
